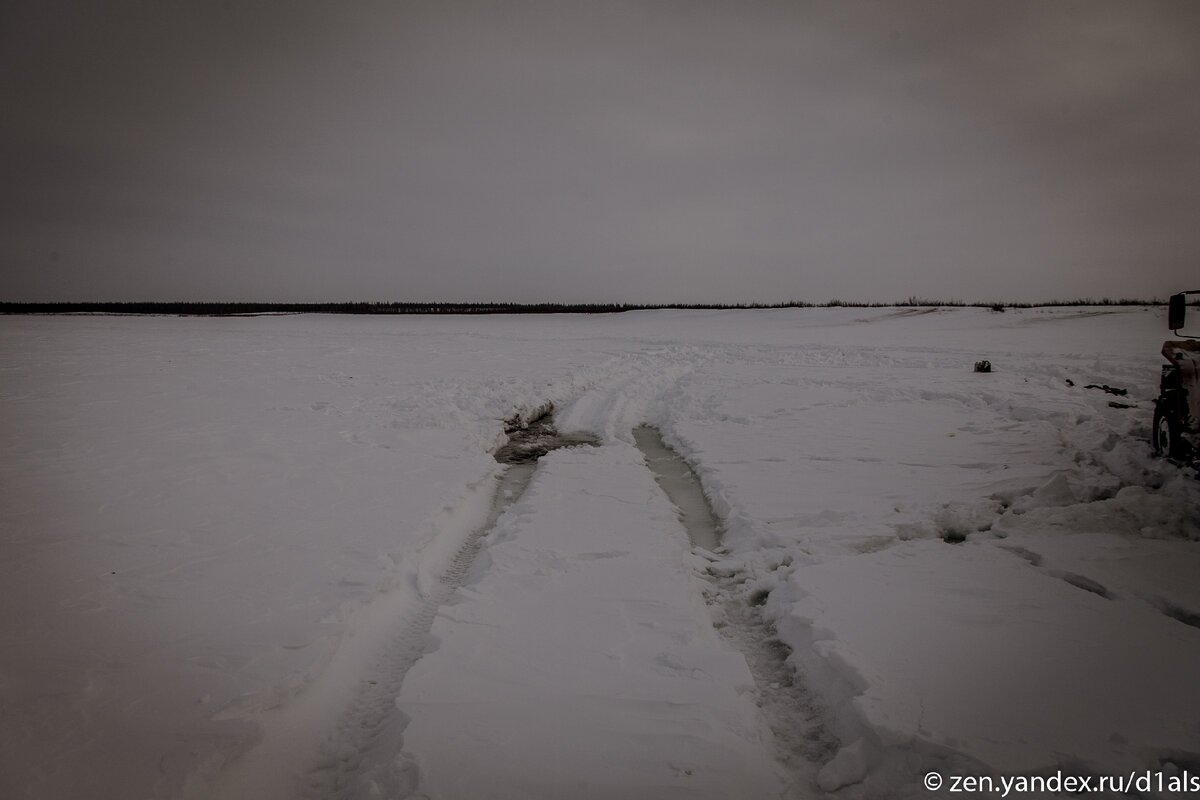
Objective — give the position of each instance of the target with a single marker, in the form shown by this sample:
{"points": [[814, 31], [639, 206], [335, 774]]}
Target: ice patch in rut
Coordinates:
{"points": [[680, 483]]}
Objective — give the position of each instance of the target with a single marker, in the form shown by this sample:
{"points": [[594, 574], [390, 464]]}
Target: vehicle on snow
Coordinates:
{"points": [[1176, 430]]}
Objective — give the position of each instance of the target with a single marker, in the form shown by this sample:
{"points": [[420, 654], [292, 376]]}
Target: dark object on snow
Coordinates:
{"points": [[527, 443], [983, 366], [1176, 429], [1108, 389], [1070, 382], [1115, 404]]}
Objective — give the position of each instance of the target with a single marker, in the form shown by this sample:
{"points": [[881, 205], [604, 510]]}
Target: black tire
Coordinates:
{"points": [[1165, 435]]}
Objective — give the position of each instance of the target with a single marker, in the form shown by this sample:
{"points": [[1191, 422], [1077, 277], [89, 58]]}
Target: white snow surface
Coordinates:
{"points": [[582, 663], [225, 541]]}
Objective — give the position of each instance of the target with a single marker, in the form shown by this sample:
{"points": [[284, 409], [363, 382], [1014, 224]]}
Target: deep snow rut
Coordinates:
{"points": [[582, 663], [360, 755], [358, 758], [792, 712], [363, 758]]}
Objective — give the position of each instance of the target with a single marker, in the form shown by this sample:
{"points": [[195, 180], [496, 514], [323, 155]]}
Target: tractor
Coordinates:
{"points": [[1176, 430]]}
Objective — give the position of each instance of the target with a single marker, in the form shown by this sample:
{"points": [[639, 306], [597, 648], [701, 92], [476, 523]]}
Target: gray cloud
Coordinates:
{"points": [[598, 151]]}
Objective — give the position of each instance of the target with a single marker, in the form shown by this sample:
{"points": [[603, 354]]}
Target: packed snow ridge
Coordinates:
{"points": [[276, 556]]}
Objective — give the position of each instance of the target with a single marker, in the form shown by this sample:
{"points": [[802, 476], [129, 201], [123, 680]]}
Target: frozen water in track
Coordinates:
{"points": [[681, 484]]}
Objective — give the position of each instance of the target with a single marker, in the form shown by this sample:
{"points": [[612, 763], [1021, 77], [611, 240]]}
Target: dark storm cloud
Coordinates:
{"points": [[598, 151]]}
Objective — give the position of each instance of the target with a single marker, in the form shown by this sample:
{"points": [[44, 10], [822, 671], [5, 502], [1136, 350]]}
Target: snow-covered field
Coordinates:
{"points": [[252, 557]]}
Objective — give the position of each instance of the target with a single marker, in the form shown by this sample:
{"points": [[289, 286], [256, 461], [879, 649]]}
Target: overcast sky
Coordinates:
{"points": [[599, 151]]}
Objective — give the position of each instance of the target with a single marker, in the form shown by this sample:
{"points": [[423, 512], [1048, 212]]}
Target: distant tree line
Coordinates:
{"points": [[222, 309], [241, 308]]}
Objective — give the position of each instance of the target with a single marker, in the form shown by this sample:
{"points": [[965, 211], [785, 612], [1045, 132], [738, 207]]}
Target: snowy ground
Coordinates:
{"points": [[253, 557]]}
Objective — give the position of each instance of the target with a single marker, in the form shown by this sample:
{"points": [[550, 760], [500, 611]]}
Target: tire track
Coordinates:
{"points": [[794, 714], [363, 758], [359, 759], [342, 739]]}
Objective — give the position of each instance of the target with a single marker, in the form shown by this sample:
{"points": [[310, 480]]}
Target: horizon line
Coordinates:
{"points": [[247, 307]]}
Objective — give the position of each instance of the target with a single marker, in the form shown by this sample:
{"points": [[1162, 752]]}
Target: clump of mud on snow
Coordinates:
{"points": [[527, 442]]}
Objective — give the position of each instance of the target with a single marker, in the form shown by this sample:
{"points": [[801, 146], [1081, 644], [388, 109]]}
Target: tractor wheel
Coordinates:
{"points": [[1166, 439]]}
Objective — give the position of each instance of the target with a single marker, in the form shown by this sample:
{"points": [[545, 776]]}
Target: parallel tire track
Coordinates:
{"points": [[360, 757]]}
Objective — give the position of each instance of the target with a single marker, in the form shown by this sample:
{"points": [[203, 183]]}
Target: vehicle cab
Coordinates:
{"points": [[1176, 430]]}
